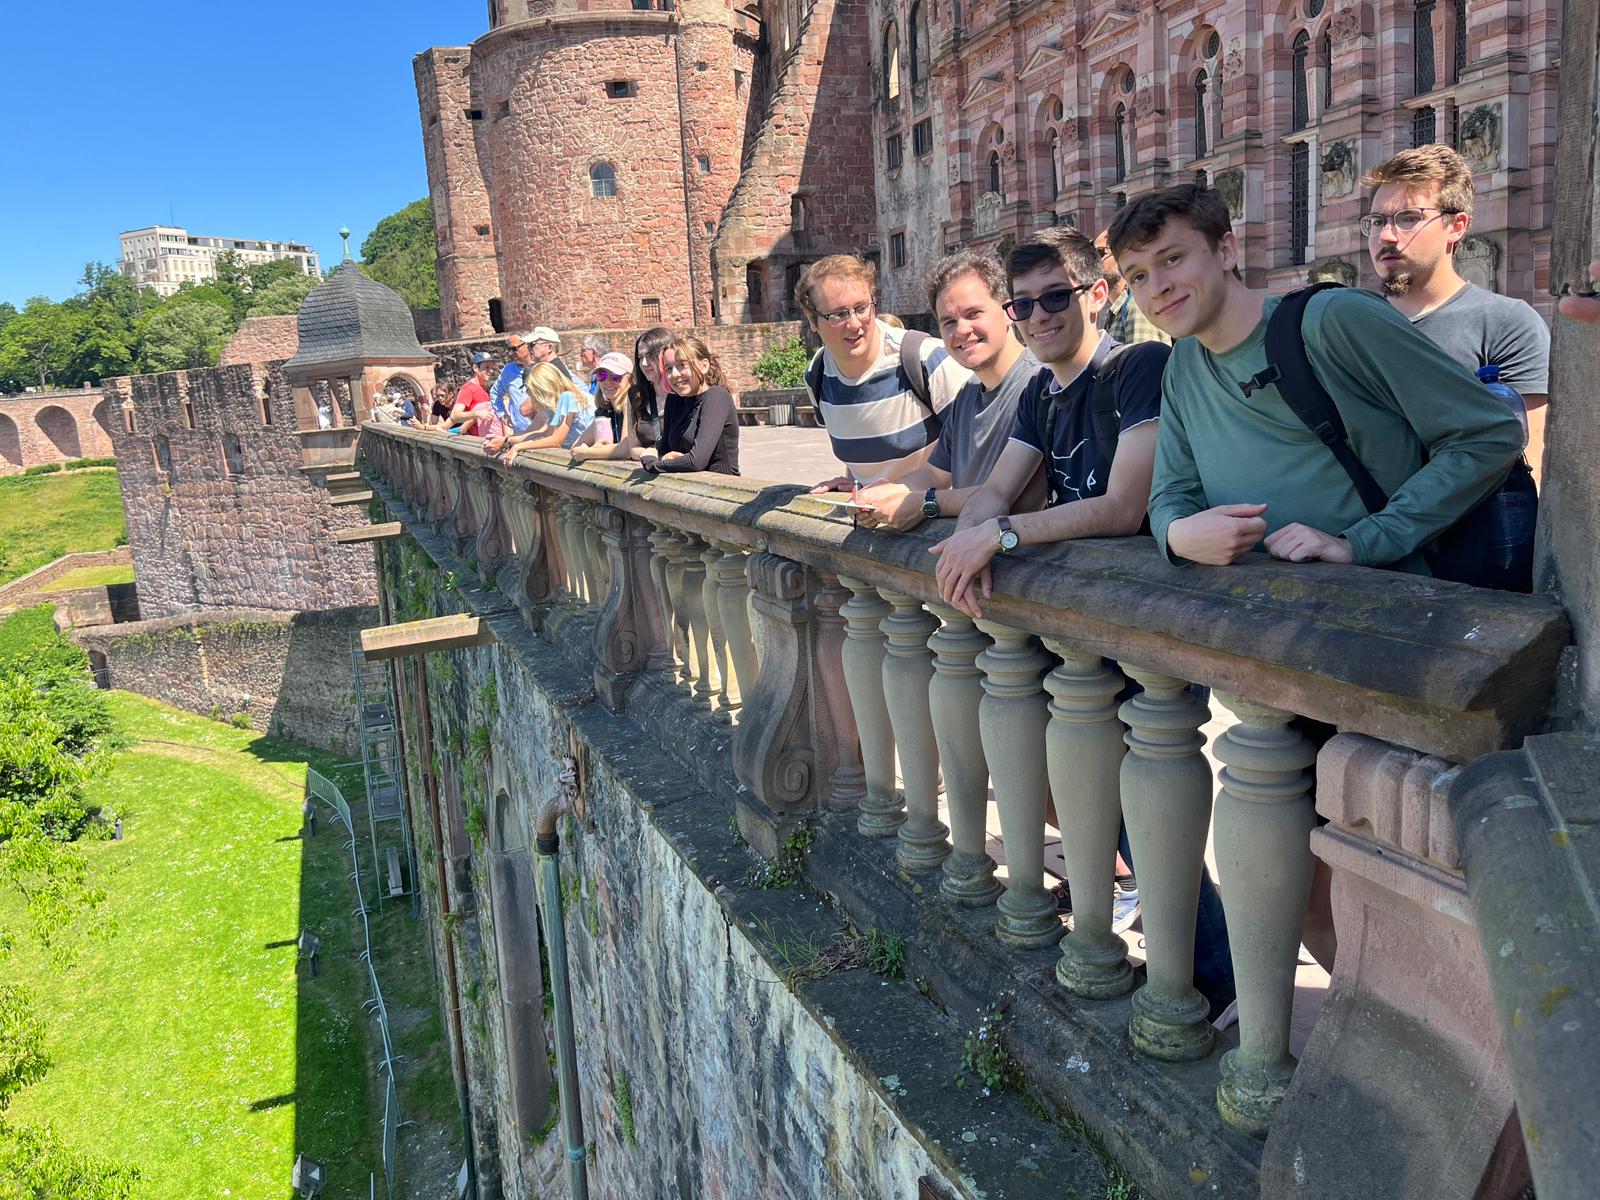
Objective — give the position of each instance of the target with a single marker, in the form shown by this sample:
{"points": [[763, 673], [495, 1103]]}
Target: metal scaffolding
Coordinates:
{"points": [[383, 771]]}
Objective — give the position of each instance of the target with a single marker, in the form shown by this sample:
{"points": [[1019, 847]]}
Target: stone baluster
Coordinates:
{"points": [[838, 746], [464, 529], [572, 551], [674, 543], [733, 595], [907, 676], [773, 747], [701, 668], [441, 503], [722, 701], [883, 810], [1166, 804], [954, 697], [526, 579], [1084, 745], [594, 553], [1263, 841], [1012, 719], [661, 657], [491, 547], [625, 627]]}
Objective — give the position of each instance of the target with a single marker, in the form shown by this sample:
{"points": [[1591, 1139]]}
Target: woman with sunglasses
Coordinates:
{"points": [[636, 395], [702, 424]]}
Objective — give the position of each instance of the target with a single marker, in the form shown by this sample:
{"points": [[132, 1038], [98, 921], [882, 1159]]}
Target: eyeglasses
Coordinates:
{"points": [[838, 317], [1020, 308], [1407, 220]]}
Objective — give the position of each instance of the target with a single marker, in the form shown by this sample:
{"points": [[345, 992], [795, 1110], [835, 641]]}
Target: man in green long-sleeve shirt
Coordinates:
{"points": [[1234, 471]]}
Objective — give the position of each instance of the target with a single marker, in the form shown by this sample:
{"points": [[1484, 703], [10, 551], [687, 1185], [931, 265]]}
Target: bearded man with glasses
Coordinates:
{"points": [[1420, 211], [1090, 415]]}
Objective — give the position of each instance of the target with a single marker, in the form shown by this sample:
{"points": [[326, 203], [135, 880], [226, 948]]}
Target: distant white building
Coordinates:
{"points": [[165, 257]]}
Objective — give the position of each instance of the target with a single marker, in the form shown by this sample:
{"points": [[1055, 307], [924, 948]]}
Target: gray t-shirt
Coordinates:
{"points": [[978, 423], [1476, 327]]}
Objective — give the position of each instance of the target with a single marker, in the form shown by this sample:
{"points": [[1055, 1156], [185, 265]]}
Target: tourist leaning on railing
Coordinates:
{"points": [[633, 390], [702, 421], [570, 414]]}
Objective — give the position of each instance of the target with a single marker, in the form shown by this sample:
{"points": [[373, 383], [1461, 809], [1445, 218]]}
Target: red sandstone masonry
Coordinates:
{"points": [[262, 339], [49, 427]]}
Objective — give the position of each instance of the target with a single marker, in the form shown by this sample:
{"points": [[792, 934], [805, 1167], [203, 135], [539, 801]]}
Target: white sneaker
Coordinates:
{"points": [[1228, 1016]]}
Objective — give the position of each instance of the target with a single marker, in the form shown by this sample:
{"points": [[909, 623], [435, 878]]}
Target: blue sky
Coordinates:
{"points": [[279, 121]]}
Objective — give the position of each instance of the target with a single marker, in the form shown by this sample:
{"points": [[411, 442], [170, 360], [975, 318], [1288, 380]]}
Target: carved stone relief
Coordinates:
{"points": [[1338, 170], [1478, 261], [1230, 186], [986, 213]]}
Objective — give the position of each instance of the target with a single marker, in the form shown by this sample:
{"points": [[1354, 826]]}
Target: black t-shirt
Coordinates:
{"points": [[1078, 469]]}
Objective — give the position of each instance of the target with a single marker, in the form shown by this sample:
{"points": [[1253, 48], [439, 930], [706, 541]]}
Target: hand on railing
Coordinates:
{"points": [[963, 572], [1218, 536], [839, 483]]}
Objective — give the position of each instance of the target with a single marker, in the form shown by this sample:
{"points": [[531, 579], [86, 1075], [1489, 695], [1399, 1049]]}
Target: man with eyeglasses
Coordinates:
{"points": [[878, 390], [1091, 416], [1420, 211]]}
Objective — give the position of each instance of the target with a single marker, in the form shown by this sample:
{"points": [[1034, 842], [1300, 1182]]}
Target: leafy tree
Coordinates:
{"points": [[103, 284], [36, 344], [36, 1163], [783, 366], [281, 296], [187, 334], [401, 252]]}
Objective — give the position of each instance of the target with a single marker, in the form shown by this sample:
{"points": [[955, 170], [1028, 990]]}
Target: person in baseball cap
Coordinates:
{"points": [[546, 345]]}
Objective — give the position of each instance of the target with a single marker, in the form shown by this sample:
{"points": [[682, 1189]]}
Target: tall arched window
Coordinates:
{"points": [[994, 172], [1325, 62], [602, 180], [1299, 103], [917, 23], [891, 63], [1459, 61], [1216, 106], [1119, 132], [1200, 115], [1422, 48]]}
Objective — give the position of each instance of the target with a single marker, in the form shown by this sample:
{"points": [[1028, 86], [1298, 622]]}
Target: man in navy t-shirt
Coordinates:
{"points": [[1098, 478]]}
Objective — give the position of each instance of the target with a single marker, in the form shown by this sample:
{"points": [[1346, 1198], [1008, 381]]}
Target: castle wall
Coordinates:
{"points": [[288, 673], [219, 512], [51, 427]]}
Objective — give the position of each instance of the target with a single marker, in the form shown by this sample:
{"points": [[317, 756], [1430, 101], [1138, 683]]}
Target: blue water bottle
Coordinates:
{"points": [[1489, 376]]}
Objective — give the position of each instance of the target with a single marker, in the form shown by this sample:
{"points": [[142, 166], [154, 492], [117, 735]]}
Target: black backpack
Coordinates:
{"points": [[1104, 415], [911, 364], [1491, 546]]}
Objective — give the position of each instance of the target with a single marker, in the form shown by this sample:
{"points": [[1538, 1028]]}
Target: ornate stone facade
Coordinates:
{"points": [[902, 129]]}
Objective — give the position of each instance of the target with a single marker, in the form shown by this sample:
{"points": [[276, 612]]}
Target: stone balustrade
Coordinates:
{"points": [[848, 686]]}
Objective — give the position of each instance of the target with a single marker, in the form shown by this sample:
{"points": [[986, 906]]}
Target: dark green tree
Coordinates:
{"points": [[401, 252], [185, 333]]}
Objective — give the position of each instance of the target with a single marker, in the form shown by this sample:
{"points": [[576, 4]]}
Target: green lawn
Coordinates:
{"points": [[87, 577], [185, 1042], [43, 517]]}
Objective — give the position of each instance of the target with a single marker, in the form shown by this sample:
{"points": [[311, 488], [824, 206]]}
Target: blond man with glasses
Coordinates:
{"points": [[878, 390]]}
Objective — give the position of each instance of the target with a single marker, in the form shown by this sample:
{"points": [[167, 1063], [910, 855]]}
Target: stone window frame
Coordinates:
{"points": [[917, 37], [898, 257], [232, 448], [603, 181], [922, 138], [890, 63]]}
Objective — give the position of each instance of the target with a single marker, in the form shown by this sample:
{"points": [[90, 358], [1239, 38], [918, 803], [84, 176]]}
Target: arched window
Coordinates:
{"points": [[1216, 106], [918, 24], [1325, 62], [1422, 47], [1200, 115], [602, 180], [1299, 92], [994, 172], [891, 63], [1119, 131]]}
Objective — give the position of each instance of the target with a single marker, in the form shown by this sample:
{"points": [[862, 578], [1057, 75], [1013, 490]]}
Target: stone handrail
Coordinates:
{"points": [[851, 686]]}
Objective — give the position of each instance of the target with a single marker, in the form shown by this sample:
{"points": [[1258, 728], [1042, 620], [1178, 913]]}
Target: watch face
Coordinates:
{"points": [[1008, 540], [930, 508]]}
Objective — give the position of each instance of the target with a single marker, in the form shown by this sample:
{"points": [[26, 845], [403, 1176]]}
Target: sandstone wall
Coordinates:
{"points": [[289, 672], [262, 339], [49, 427], [736, 346], [219, 513]]}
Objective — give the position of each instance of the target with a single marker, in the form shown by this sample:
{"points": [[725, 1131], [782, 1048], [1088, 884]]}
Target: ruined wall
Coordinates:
{"points": [[262, 339], [52, 427], [219, 512], [288, 672], [701, 1073], [736, 346]]}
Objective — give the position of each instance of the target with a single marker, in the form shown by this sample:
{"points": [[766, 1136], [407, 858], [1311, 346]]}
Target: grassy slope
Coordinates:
{"points": [[185, 1043], [45, 516], [84, 577]]}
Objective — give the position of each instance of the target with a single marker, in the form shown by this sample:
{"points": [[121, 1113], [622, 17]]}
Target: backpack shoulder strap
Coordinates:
{"points": [[1103, 412], [1290, 369], [813, 380], [916, 371]]}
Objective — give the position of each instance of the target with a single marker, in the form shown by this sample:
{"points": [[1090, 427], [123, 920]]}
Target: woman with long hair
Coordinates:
{"points": [[570, 413], [702, 424], [640, 399]]}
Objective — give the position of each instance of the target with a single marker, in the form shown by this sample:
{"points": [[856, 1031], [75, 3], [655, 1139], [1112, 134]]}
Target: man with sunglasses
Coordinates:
{"points": [[509, 391], [1420, 210], [1090, 416], [878, 390]]}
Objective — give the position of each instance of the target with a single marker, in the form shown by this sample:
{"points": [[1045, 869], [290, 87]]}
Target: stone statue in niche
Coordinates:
{"points": [[1230, 186], [1480, 135], [986, 213], [1478, 261], [1233, 66], [1333, 270], [1339, 170]]}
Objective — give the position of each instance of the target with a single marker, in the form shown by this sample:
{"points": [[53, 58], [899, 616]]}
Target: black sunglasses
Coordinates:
{"points": [[1020, 308]]}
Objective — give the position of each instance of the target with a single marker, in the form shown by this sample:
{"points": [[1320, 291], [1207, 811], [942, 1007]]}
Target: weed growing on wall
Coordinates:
{"points": [[783, 366], [790, 864], [985, 1053], [886, 953], [623, 1096]]}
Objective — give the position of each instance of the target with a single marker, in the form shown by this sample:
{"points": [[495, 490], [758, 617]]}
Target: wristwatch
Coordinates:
{"points": [[930, 504], [1008, 536]]}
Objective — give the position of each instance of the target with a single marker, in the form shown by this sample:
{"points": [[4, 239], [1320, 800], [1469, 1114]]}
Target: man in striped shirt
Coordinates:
{"points": [[878, 390]]}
